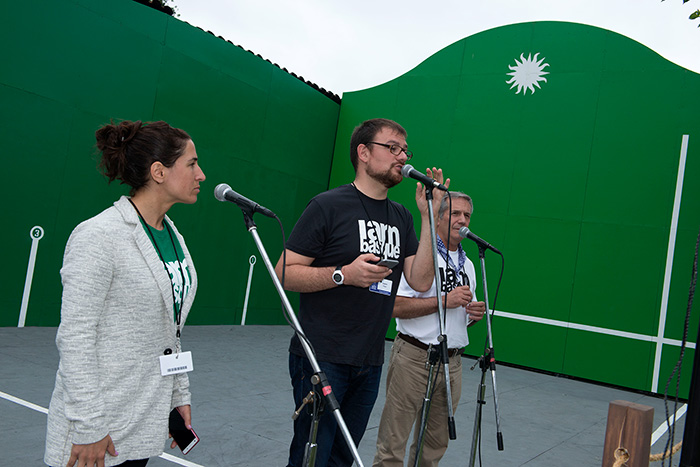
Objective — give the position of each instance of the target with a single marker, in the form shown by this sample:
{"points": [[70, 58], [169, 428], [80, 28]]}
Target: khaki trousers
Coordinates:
{"points": [[406, 383]]}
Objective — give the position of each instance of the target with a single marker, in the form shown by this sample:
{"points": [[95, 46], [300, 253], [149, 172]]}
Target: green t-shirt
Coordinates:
{"points": [[164, 245]]}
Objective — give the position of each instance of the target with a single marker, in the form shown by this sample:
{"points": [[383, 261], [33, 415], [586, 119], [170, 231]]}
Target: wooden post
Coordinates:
{"points": [[629, 427]]}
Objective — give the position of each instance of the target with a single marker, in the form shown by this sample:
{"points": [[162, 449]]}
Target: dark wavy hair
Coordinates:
{"points": [[130, 148]]}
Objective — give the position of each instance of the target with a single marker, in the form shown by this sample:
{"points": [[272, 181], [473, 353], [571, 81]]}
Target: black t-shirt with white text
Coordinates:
{"points": [[347, 324]]}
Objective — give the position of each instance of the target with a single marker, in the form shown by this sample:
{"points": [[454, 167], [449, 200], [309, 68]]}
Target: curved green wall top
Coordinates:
{"points": [[568, 137]]}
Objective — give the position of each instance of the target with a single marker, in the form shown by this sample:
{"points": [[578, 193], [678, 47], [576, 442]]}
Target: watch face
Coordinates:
{"points": [[338, 277]]}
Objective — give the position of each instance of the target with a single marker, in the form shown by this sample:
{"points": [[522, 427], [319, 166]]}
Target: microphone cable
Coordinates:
{"points": [[679, 363], [299, 332]]}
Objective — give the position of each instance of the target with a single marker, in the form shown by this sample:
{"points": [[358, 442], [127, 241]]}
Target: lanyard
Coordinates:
{"points": [[382, 245], [178, 310]]}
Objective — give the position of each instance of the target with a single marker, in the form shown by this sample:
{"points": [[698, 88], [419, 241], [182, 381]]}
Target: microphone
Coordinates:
{"points": [[223, 192], [464, 232], [408, 171]]}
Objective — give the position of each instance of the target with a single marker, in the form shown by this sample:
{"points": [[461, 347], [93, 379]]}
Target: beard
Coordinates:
{"points": [[387, 178]]}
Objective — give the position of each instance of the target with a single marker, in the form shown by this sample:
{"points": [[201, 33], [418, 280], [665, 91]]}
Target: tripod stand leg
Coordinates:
{"points": [[499, 434], [489, 358], [425, 410], [311, 446], [451, 428], [480, 401]]}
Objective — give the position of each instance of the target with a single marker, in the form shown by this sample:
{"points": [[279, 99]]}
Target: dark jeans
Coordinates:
{"points": [[356, 390]]}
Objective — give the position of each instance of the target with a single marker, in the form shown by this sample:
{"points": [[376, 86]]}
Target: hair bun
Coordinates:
{"points": [[116, 136], [130, 148], [126, 131]]}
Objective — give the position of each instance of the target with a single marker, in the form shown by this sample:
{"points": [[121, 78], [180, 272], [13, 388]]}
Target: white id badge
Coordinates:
{"points": [[176, 363], [383, 287]]}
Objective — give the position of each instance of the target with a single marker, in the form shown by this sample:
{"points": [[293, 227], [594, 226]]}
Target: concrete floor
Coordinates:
{"points": [[242, 406]]}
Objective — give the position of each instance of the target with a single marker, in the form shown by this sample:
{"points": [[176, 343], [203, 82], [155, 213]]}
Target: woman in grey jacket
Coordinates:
{"points": [[128, 285]]}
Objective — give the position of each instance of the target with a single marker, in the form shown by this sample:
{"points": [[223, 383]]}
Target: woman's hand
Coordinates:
{"points": [[186, 412], [91, 455]]}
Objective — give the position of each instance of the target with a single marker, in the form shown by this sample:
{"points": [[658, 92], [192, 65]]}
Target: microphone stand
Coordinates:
{"points": [[319, 377], [435, 353], [487, 360]]}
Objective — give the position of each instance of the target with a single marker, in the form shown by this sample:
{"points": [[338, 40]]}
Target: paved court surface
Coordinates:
{"points": [[242, 405]]}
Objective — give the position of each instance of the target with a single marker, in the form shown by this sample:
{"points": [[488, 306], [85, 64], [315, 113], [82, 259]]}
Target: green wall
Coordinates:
{"points": [[67, 67], [574, 183]]}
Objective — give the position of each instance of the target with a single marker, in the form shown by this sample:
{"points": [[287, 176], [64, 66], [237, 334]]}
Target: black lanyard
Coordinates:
{"points": [[178, 310]]}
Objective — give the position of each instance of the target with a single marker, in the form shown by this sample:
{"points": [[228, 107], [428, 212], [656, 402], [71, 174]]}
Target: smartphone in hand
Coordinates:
{"points": [[390, 263], [185, 438]]}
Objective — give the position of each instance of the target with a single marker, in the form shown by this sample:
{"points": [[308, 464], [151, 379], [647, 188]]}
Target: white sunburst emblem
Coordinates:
{"points": [[527, 73]]}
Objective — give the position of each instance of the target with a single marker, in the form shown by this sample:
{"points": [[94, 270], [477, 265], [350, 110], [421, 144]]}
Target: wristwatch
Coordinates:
{"points": [[338, 276]]}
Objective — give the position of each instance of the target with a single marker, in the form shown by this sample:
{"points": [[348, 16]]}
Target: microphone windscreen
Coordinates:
{"points": [[220, 191]]}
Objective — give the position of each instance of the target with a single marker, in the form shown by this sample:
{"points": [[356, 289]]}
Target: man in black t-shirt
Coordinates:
{"points": [[346, 298]]}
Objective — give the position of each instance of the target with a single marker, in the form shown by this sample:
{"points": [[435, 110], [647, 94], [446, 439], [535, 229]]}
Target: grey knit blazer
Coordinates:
{"points": [[116, 320]]}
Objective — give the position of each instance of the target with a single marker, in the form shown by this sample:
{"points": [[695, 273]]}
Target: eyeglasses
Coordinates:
{"points": [[395, 149]]}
